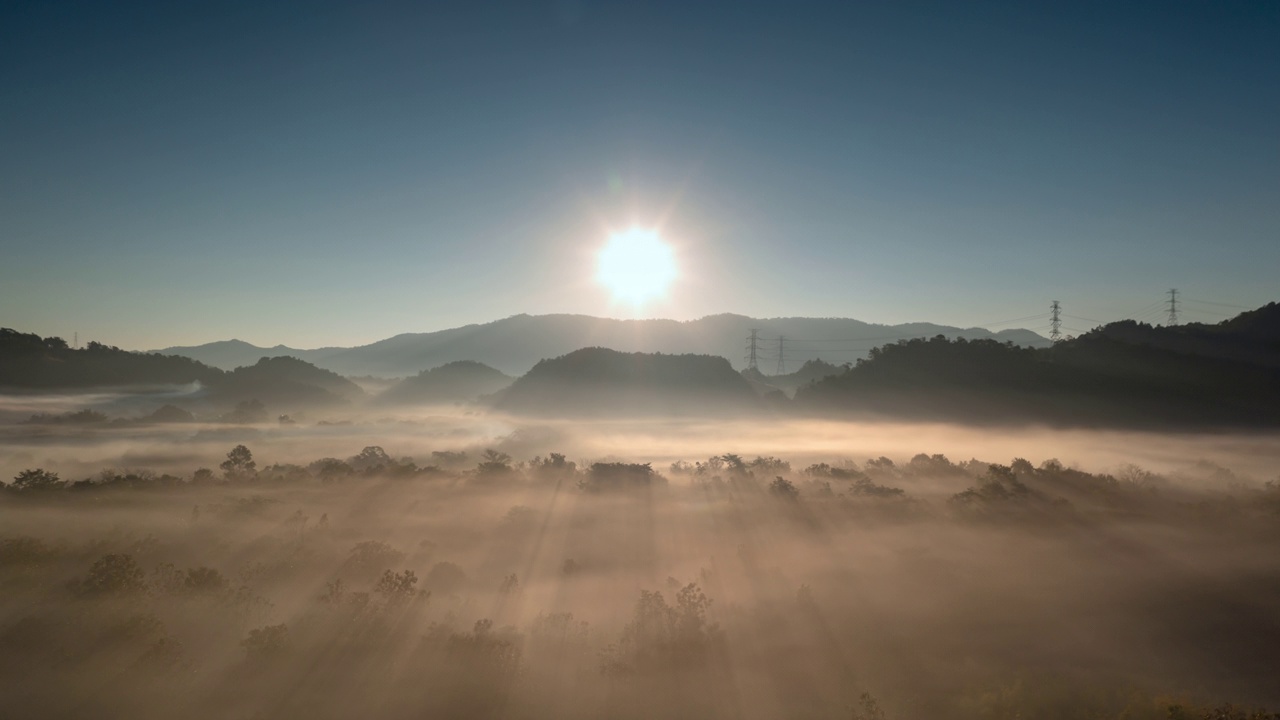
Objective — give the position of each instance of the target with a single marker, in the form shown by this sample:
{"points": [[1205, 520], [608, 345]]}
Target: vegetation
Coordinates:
{"points": [[882, 589], [1125, 373], [30, 362], [455, 382], [598, 381]]}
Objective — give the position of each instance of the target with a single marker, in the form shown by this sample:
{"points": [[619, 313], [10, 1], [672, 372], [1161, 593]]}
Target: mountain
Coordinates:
{"points": [[231, 354], [29, 362], [286, 382], [602, 382], [460, 381], [1122, 374], [515, 344]]}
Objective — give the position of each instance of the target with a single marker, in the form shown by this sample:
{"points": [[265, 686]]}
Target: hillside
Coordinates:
{"points": [[461, 381], [811, 371], [286, 382], [30, 363], [1123, 374], [603, 382], [515, 344]]}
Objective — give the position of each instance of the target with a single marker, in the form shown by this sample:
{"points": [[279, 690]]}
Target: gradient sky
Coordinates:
{"points": [[332, 174]]}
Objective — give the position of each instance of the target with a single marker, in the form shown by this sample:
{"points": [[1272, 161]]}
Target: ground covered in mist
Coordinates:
{"points": [[466, 583]]}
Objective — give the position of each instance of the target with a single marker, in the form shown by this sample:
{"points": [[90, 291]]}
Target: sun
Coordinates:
{"points": [[636, 265]]}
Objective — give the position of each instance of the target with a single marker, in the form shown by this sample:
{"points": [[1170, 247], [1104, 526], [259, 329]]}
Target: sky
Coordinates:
{"points": [[325, 173]]}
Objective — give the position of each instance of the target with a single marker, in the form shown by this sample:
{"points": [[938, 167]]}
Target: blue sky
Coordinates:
{"points": [[331, 174]]}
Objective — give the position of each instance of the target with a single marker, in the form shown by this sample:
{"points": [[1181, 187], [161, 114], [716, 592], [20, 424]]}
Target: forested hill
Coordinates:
{"points": [[602, 382], [29, 362], [460, 381], [1125, 373]]}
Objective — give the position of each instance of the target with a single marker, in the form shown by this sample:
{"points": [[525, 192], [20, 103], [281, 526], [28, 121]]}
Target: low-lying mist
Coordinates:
{"points": [[457, 564]]}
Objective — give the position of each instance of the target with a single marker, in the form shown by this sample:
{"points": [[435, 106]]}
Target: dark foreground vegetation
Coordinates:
{"points": [[469, 587], [1125, 374]]}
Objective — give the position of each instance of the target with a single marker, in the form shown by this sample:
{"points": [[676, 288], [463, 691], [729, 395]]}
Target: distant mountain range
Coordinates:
{"points": [[1123, 374], [515, 344]]}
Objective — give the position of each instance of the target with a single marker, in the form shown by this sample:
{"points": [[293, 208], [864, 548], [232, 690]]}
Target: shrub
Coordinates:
{"points": [[114, 574], [38, 479], [445, 577], [266, 642]]}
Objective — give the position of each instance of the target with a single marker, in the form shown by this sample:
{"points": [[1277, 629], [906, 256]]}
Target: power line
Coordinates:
{"points": [[1151, 314], [1210, 302], [782, 362], [1077, 317]]}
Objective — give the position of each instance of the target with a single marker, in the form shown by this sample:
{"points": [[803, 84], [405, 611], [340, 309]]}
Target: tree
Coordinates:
{"points": [[661, 637], [114, 575], [397, 588], [239, 464], [247, 412], [445, 577], [494, 463], [371, 458], [784, 488], [38, 479], [868, 708], [266, 642], [205, 581]]}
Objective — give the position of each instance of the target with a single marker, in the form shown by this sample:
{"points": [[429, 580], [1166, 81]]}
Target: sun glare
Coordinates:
{"points": [[636, 265]]}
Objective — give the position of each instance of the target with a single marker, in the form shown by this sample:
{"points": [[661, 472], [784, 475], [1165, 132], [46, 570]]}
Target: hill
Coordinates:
{"points": [[515, 344], [286, 382], [29, 363], [601, 382], [461, 381], [811, 371], [1122, 374]]}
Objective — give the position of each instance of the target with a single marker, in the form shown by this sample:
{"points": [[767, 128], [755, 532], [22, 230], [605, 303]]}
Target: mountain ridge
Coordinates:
{"points": [[513, 345]]}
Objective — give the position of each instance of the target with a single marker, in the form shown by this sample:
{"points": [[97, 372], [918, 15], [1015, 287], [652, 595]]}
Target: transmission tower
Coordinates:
{"points": [[75, 340], [1055, 321], [1173, 306], [782, 348], [753, 350]]}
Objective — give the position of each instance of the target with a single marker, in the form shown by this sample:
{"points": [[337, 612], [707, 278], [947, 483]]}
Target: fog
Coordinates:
{"points": [[805, 569]]}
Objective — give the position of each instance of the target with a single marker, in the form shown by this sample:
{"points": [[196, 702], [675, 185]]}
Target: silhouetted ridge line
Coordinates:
{"points": [[515, 344], [600, 381], [459, 381], [1125, 373], [31, 363]]}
